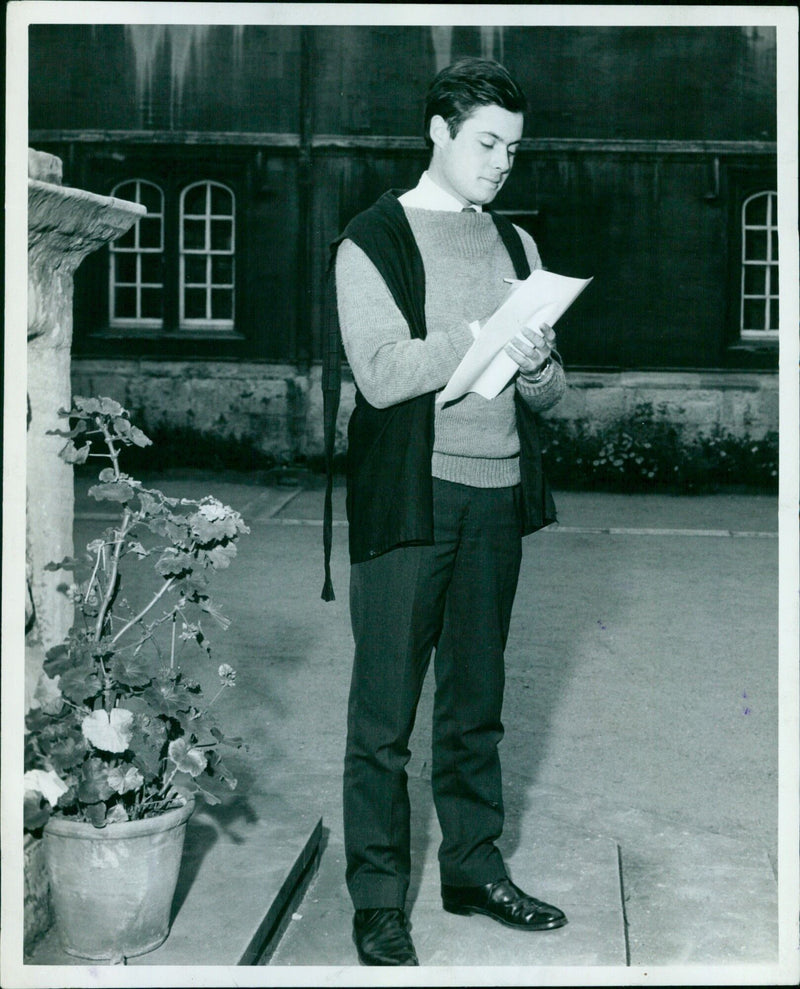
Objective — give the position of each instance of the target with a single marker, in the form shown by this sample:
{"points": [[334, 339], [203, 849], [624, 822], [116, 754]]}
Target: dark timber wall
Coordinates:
{"points": [[640, 146]]}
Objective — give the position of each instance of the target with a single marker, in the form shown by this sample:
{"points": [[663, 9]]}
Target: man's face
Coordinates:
{"points": [[473, 165]]}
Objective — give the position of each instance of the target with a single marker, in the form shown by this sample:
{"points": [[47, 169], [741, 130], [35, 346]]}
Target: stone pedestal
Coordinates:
{"points": [[64, 225]]}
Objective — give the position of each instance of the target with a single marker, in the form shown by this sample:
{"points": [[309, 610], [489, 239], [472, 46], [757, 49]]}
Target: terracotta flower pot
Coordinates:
{"points": [[112, 887]]}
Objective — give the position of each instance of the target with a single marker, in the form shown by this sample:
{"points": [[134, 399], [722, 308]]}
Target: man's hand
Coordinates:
{"points": [[531, 348]]}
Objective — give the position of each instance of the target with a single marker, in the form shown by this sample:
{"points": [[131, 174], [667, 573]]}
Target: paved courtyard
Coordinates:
{"points": [[641, 750]]}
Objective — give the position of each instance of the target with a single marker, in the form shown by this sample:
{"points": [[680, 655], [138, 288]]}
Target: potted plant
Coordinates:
{"points": [[123, 739]]}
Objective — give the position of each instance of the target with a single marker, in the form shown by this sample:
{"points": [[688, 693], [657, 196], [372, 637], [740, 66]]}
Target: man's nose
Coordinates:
{"points": [[502, 159]]}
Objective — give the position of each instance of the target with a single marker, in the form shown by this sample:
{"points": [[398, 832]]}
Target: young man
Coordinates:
{"points": [[438, 499]]}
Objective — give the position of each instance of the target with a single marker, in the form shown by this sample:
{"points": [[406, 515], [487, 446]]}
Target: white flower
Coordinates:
{"points": [[111, 734], [227, 675], [46, 782]]}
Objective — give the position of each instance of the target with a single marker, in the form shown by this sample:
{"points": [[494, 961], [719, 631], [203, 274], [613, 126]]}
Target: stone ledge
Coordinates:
{"points": [[45, 167]]}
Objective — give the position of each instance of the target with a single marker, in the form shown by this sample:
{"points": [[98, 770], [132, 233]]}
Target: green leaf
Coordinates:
{"points": [[235, 743], [186, 785], [124, 779], [147, 745], [67, 752], [49, 695], [94, 785], [166, 698], [123, 427], [80, 684], [137, 671], [36, 811], [188, 759], [174, 564], [115, 491], [72, 454], [139, 438], [110, 408]]}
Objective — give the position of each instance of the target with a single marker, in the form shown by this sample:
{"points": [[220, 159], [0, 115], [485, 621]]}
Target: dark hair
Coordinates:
{"points": [[466, 84]]}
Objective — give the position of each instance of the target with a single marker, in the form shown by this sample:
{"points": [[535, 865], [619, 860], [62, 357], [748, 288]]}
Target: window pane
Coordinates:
{"points": [[151, 268], [125, 268], [222, 269], [754, 314], [222, 303], [774, 255], [194, 235], [754, 279], [194, 201], [773, 314], [221, 235], [195, 270], [125, 190], [150, 197], [195, 303], [773, 280], [755, 213], [151, 303], [149, 232], [125, 303], [755, 245], [221, 201], [128, 239]]}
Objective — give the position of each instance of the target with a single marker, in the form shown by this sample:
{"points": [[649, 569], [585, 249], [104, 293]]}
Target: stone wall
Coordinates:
{"points": [[278, 407]]}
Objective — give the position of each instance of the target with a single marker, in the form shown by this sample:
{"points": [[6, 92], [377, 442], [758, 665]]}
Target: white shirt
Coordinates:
{"points": [[428, 195]]}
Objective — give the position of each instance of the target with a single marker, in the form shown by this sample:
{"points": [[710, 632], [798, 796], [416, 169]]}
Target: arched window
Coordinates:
{"points": [[136, 270], [207, 239], [759, 295]]}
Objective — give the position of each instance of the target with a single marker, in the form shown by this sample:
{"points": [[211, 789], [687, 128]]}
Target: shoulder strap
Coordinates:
{"points": [[513, 244]]}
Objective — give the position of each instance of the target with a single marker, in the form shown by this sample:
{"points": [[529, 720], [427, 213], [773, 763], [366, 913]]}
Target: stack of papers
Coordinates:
{"points": [[542, 298]]}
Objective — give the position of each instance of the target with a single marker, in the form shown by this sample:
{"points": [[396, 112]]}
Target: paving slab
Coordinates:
{"points": [[577, 870], [692, 896], [242, 866]]}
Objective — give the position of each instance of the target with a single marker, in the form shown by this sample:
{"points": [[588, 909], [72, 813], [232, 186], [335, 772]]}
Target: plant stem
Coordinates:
{"points": [[144, 610], [114, 571]]}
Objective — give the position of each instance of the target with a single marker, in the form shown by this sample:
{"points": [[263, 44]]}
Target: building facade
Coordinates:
{"points": [[649, 163]]}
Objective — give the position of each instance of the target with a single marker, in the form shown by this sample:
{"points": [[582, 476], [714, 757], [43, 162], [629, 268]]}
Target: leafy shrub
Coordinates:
{"points": [[646, 452]]}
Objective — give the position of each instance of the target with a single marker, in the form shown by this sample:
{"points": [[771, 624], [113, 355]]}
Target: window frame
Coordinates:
{"points": [[209, 323], [769, 264], [137, 322]]}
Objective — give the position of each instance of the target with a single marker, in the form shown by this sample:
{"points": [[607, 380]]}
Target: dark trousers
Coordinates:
{"points": [[455, 596]]}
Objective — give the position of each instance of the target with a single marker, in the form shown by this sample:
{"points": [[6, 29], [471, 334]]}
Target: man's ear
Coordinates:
{"points": [[439, 131]]}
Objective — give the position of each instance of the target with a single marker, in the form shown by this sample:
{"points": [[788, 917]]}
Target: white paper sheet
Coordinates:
{"points": [[542, 298]]}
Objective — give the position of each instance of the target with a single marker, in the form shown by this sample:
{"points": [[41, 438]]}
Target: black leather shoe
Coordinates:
{"points": [[382, 938], [504, 902]]}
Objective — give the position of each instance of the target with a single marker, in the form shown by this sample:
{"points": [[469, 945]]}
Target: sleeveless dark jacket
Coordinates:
{"points": [[389, 481]]}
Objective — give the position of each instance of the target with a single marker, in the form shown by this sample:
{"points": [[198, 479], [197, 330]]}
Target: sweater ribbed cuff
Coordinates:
{"points": [[544, 392]]}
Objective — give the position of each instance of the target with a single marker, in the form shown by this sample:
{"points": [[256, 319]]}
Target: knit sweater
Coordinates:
{"points": [[465, 262]]}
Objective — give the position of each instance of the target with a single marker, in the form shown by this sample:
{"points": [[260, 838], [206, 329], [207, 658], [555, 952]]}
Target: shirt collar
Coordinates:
{"points": [[428, 195]]}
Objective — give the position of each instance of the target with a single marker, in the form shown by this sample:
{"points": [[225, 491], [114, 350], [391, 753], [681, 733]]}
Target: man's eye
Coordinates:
{"points": [[490, 146]]}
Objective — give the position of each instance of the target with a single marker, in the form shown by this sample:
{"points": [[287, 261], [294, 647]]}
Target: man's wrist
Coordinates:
{"points": [[539, 373]]}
